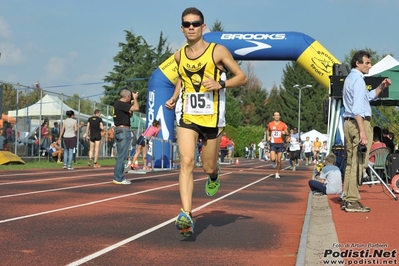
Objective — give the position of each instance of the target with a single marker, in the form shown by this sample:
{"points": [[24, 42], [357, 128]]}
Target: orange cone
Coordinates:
{"points": [[237, 162]]}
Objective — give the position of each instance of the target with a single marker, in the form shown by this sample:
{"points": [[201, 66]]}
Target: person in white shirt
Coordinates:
{"points": [[307, 149], [330, 181], [323, 151], [261, 146], [295, 148]]}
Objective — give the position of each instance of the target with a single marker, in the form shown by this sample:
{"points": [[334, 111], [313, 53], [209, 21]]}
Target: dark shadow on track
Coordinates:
{"points": [[213, 218]]}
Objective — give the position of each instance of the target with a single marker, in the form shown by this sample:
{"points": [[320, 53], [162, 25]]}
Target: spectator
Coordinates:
{"points": [[230, 148], [391, 136], [3, 140], [110, 141], [261, 146], [55, 150], [376, 144], [84, 144], [44, 142], [388, 142], [123, 111], [224, 141], [143, 142], [33, 144], [9, 135], [251, 154], [267, 150], [357, 128], [330, 181], [55, 132], [68, 132], [246, 152]]}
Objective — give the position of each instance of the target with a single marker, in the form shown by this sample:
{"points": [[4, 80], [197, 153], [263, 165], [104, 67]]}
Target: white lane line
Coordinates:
{"points": [[84, 204], [94, 202], [152, 229], [46, 179], [72, 187], [45, 172]]}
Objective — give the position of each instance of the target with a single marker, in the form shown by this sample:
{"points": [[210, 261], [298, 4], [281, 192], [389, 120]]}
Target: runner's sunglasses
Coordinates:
{"points": [[187, 24]]}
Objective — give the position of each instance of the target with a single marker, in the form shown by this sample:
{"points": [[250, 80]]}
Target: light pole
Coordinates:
{"points": [[299, 105]]}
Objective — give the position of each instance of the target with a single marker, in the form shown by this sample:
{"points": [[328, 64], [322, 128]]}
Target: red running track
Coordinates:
{"points": [[61, 217], [375, 234]]}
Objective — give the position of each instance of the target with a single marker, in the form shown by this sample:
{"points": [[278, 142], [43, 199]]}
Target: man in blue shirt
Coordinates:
{"points": [[357, 128]]}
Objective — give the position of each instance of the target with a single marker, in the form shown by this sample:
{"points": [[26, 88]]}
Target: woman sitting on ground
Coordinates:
{"points": [[56, 151]]}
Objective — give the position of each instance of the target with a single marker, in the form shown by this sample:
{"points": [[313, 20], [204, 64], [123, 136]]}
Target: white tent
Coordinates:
{"points": [[49, 106], [387, 62], [313, 134]]}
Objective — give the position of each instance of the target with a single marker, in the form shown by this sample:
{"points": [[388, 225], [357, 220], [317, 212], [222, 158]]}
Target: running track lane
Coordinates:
{"points": [[58, 217]]}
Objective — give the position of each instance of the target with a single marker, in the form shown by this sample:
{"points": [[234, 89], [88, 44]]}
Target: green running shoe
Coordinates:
{"points": [[185, 224], [211, 187]]}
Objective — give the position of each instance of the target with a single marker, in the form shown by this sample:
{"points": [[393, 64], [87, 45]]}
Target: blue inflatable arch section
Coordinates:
{"points": [[254, 46]]}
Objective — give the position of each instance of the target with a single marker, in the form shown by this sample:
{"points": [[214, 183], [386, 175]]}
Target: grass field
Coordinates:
{"points": [[44, 164]]}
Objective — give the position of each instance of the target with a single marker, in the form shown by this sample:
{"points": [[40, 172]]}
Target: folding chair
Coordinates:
{"points": [[380, 164]]}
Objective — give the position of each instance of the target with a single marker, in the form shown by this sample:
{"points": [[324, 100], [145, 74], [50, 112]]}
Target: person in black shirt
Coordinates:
{"points": [[93, 133], [388, 142], [123, 110]]}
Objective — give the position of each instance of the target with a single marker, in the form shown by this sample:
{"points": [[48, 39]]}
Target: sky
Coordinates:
{"points": [[66, 45]]}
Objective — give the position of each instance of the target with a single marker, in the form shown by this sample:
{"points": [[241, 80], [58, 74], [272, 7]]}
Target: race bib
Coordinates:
{"points": [[276, 134], [199, 103]]}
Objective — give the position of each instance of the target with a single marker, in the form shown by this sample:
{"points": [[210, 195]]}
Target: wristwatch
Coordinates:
{"points": [[223, 84]]}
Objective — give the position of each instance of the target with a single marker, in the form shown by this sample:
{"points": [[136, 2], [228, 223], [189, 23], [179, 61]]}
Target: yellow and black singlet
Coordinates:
{"points": [[196, 104]]}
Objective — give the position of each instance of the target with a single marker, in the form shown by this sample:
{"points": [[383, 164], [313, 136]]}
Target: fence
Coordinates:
{"points": [[28, 138]]}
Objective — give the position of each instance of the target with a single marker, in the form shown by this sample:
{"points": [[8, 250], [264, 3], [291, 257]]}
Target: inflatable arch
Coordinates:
{"points": [[255, 46]]}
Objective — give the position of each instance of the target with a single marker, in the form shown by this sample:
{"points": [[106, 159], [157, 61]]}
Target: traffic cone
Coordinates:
{"points": [[237, 162]]}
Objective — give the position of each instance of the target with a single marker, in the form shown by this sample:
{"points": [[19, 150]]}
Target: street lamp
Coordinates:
{"points": [[299, 104]]}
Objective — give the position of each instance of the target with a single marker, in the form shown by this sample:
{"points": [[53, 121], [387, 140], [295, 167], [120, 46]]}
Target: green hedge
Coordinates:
{"points": [[243, 136]]}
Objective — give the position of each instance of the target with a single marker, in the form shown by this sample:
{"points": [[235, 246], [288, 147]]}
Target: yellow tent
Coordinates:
{"points": [[9, 157]]}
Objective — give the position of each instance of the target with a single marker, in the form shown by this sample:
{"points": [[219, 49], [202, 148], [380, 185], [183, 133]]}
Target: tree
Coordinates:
{"points": [[234, 116], [9, 98], [311, 99], [374, 56], [25, 97], [252, 98], [86, 106], [135, 63], [273, 103]]}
